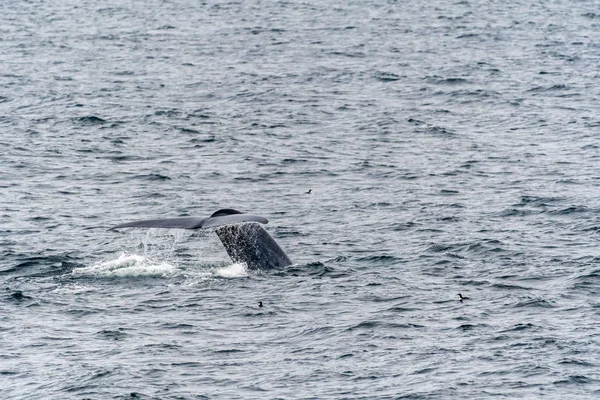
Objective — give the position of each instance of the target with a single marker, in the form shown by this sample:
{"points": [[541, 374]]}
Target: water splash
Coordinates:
{"points": [[160, 243], [236, 270], [127, 266]]}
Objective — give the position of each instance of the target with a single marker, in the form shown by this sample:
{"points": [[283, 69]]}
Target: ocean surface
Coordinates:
{"points": [[449, 146]]}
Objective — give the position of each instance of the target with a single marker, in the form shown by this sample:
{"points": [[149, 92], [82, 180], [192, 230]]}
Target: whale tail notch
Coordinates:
{"points": [[244, 239]]}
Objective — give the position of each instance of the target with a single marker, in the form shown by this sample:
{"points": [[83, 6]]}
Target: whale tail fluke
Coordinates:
{"points": [[225, 216], [179, 223], [243, 238]]}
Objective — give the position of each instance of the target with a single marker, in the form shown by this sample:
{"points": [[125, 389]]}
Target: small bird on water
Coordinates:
{"points": [[463, 297], [260, 303], [309, 190]]}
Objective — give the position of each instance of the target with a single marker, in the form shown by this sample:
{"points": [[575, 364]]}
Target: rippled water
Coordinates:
{"points": [[450, 146]]}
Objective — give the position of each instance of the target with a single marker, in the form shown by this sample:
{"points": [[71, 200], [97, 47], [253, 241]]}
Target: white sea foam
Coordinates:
{"points": [[127, 265], [135, 265], [236, 270]]}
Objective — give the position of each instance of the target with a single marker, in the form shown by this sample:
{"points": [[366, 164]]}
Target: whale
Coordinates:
{"points": [[242, 235]]}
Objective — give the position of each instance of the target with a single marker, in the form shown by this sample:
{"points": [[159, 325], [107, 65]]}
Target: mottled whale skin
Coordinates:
{"points": [[241, 234]]}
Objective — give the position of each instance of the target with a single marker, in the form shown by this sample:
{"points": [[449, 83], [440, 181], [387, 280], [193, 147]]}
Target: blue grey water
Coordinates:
{"points": [[450, 147]]}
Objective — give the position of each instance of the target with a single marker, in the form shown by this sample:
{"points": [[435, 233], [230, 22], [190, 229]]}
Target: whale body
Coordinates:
{"points": [[244, 239]]}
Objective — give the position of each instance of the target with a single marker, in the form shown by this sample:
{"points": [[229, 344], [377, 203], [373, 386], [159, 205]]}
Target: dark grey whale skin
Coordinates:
{"points": [[243, 238], [221, 217], [250, 243]]}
